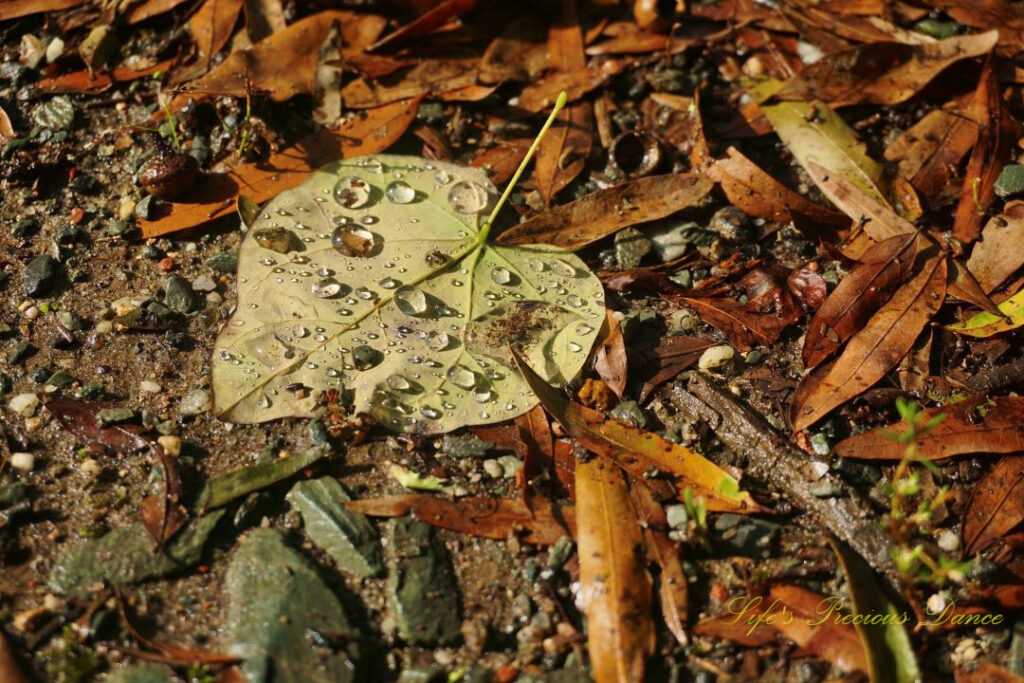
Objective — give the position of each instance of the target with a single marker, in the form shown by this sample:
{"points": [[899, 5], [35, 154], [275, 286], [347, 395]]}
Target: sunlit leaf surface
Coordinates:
{"points": [[374, 277]]}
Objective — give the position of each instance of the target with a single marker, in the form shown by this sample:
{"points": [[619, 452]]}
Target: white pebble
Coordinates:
{"points": [[104, 327], [31, 313], [196, 402], [949, 541], [494, 469], [148, 387], [24, 404], [716, 357], [25, 462]]}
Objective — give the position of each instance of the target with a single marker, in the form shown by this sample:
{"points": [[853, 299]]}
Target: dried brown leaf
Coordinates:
{"points": [[993, 426], [284, 64], [429, 77], [542, 522], [927, 153], [997, 141], [96, 82], [437, 17], [10, 670], [884, 267], [874, 350], [610, 360], [760, 195], [991, 261], [882, 73], [743, 328], [996, 505], [360, 135], [672, 355], [615, 591], [599, 214], [211, 28]]}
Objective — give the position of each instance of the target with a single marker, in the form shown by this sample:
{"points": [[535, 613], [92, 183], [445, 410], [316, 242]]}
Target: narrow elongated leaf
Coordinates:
{"points": [[542, 522], [890, 654], [876, 219], [614, 588], [663, 551], [883, 268], [611, 361], [882, 73], [375, 276], [563, 152], [806, 619], [874, 350], [996, 505], [992, 426], [759, 194], [927, 153], [602, 213], [997, 141], [815, 133], [623, 443], [986, 324]]}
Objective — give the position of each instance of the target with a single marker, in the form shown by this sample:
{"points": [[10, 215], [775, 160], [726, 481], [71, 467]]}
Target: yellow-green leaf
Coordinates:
{"points": [[985, 324]]}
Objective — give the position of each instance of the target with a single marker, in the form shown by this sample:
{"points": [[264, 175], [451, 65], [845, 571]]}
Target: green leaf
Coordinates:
{"points": [[985, 324], [889, 651], [374, 277]]}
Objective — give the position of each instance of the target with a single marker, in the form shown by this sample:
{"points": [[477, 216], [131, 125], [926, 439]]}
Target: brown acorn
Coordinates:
{"points": [[168, 175]]}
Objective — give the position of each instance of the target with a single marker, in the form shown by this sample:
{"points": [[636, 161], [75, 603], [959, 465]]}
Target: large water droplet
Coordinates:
{"points": [[351, 240], [483, 395], [442, 177], [389, 283], [430, 413], [501, 276], [584, 329], [574, 347], [365, 294], [536, 265], [560, 267], [398, 383], [276, 239], [461, 376], [399, 192], [365, 357], [326, 288], [574, 301], [438, 341], [467, 197], [411, 301], [352, 192]]}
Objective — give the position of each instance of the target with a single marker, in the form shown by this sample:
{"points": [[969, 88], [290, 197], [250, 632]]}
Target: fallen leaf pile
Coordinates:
{"points": [[816, 205]]}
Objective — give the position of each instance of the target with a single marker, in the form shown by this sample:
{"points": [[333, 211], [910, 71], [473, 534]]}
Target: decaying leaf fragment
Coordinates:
{"points": [[375, 277]]}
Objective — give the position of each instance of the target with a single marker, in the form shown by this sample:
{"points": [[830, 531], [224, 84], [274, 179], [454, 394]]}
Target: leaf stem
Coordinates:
{"points": [[485, 229]]}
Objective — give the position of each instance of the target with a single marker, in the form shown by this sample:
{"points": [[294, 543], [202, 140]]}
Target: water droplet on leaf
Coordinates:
{"points": [[352, 192], [399, 192], [351, 240], [461, 376], [411, 301], [467, 197], [501, 276]]}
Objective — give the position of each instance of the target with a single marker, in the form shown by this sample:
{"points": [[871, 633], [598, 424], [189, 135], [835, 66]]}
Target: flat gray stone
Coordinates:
{"points": [[126, 555], [422, 590], [283, 620], [349, 538]]}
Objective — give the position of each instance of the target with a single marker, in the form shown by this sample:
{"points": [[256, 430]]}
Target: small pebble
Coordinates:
{"points": [[493, 468], [196, 402], [715, 357], [23, 461], [24, 404], [148, 387], [91, 468], [171, 444], [204, 283], [949, 541]]}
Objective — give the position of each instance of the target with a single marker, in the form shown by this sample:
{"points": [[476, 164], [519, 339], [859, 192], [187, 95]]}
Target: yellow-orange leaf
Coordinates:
{"points": [[615, 589]]}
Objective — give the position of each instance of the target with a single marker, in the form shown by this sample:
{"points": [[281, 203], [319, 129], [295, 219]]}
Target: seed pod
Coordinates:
{"points": [[635, 153]]}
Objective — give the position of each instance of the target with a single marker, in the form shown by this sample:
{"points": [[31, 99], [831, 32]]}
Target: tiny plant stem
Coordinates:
{"points": [[486, 228]]}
